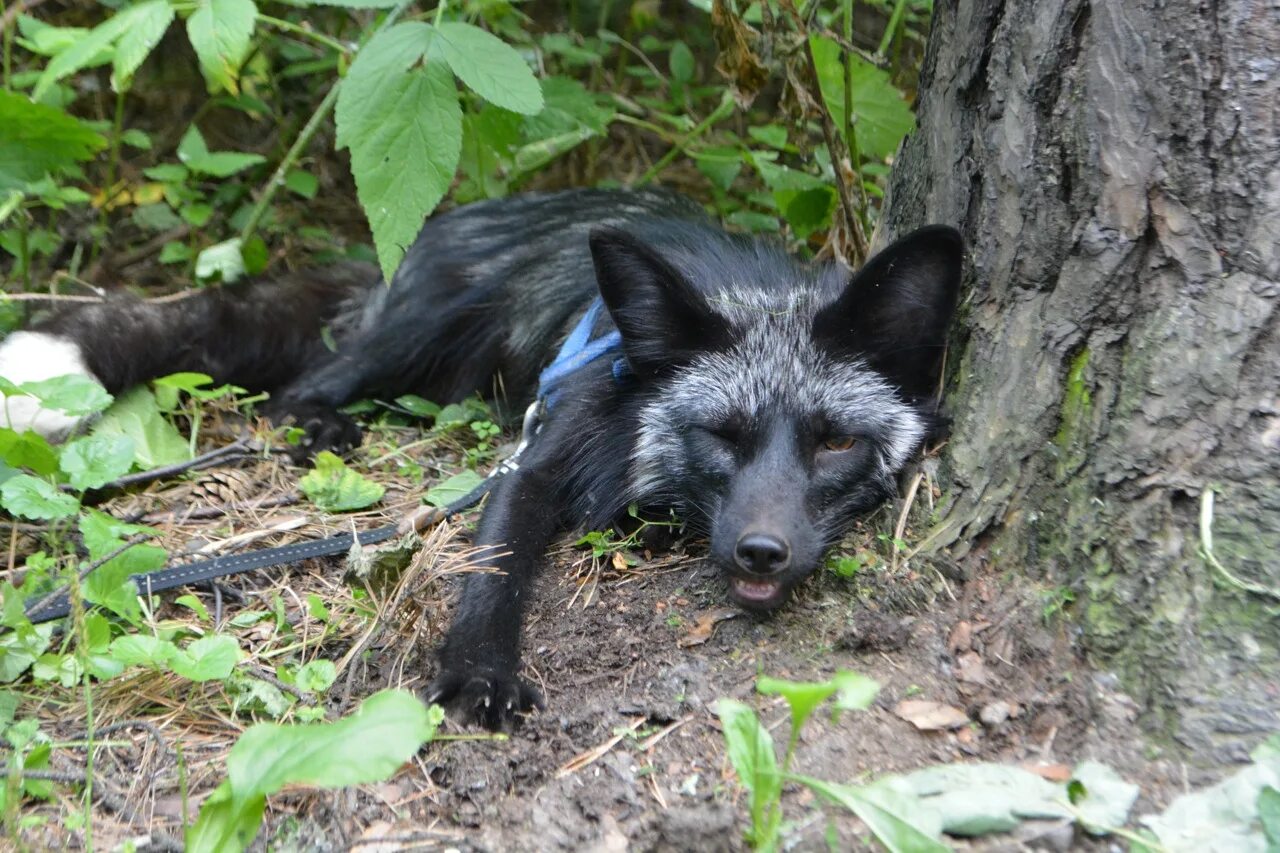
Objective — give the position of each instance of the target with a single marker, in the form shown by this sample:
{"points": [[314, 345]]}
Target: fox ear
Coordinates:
{"points": [[895, 311], [663, 319]]}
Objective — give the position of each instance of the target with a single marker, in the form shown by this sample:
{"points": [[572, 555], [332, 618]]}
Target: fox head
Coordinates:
{"points": [[778, 402]]}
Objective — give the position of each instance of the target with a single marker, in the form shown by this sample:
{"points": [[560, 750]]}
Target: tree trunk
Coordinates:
{"points": [[1115, 167]]}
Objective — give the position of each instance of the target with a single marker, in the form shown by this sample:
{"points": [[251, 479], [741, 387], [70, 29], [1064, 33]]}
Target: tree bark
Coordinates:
{"points": [[1115, 167]]}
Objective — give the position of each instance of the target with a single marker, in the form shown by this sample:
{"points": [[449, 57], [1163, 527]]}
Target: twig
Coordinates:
{"points": [[204, 460], [585, 759], [293, 690], [136, 539]]}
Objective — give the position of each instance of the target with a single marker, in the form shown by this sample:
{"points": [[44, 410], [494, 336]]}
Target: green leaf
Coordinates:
{"points": [[111, 584], [20, 648], [680, 61], [350, 4], [143, 650], [802, 697], [368, 746], [155, 441], [84, 51], [96, 460], [389, 115], [977, 799], [102, 534], [443, 494], [488, 66], [316, 676], [195, 605], [197, 157], [31, 497], [75, 394], [148, 22], [222, 261], [417, 406], [1106, 799], [751, 752], [882, 116], [1269, 815], [334, 487], [810, 210], [28, 450], [303, 183], [721, 165], [36, 140], [220, 31], [897, 821], [210, 658]]}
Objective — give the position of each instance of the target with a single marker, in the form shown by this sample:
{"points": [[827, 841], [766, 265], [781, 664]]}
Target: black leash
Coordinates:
{"points": [[43, 608]]}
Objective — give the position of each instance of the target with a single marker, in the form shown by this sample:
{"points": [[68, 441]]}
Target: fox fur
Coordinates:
{"points": [[767, 401]]}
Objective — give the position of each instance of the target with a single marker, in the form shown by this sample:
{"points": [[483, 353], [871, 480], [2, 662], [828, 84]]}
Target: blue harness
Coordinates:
{"points": [[579, 350]]}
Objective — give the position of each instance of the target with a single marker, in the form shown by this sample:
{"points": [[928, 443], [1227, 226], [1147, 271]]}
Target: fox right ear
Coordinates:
{"points": [[663, 319], [896, 310]]}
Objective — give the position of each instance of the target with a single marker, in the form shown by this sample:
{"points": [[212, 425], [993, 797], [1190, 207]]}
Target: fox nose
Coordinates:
{"points": [[762, 553]]}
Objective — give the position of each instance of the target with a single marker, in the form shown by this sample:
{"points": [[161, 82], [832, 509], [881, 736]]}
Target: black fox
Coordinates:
{"points": [[767, 401]]}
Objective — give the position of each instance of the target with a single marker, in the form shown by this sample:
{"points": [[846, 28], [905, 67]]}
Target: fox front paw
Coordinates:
{"points": [[323, 428], [484, 697]]}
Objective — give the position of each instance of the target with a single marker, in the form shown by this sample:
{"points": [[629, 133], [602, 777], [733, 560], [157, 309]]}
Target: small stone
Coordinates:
{"points": [[994, 714]]}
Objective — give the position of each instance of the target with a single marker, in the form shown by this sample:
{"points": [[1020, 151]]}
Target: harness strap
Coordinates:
{"points": [[579, 350]]}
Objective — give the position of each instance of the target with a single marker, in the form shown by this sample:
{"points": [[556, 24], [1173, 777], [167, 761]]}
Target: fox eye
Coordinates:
{"points": [[839, 443]]}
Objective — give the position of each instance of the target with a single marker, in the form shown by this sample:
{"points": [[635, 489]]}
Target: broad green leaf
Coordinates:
{"points": [[148, 23], [750, 749], [391, 115], [195, 605], [334, 487], [488, 66], [316, 676], [48, 40], [156, 442], [28, 450], [111, 586], [83, 51], [221, 261], [1107, 798], [976, 799], [303, 183], [102, 534], [210, 658], [416, 405], [680, 61], [802, 697], [370, 745], [197, 157], [882, 116], [36, 140], [810, 210], [96, 460], [721, 164], [31, 497], [168, 387], [896, 820], [570, 107], [143, 650], [350, 4], [219, 32], [443, 494], [20, 648], [1269, 815], [75, 394], [1224, 816]]}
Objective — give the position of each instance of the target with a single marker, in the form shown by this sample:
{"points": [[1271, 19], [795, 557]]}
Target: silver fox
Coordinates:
{"points": [[767, 401]]}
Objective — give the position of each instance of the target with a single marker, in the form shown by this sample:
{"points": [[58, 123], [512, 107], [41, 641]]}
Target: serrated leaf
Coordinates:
{"points": [[316, 676], [155, 441], [882, 115], [443, 494], [148, 23], [390, 115], [110, 584], [36, 140], [102, 534], [334, 487], [74, 394], [83, 51], [370, 745], [488, 66], [210, 658], [96, 460], [28, 450], [220, 31], [33, 498]]}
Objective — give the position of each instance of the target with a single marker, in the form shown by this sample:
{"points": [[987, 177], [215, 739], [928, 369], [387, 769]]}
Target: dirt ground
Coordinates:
{"points": [[628, 754]]}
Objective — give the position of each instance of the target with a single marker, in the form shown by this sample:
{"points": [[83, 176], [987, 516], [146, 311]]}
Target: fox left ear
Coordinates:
{"points": [[663, 319], [895, 311]]}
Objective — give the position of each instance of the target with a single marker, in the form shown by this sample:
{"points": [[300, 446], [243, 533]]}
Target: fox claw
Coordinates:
{"points": [[492, 700]]}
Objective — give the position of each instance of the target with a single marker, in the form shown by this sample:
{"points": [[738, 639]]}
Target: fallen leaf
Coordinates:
{"points": [[930, 716], [961, 637], [705, 626], [1052, 772], [970, 668]]}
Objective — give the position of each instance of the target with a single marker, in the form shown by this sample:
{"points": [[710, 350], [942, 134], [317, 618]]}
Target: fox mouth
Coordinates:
{"points": [[757, 594]]}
